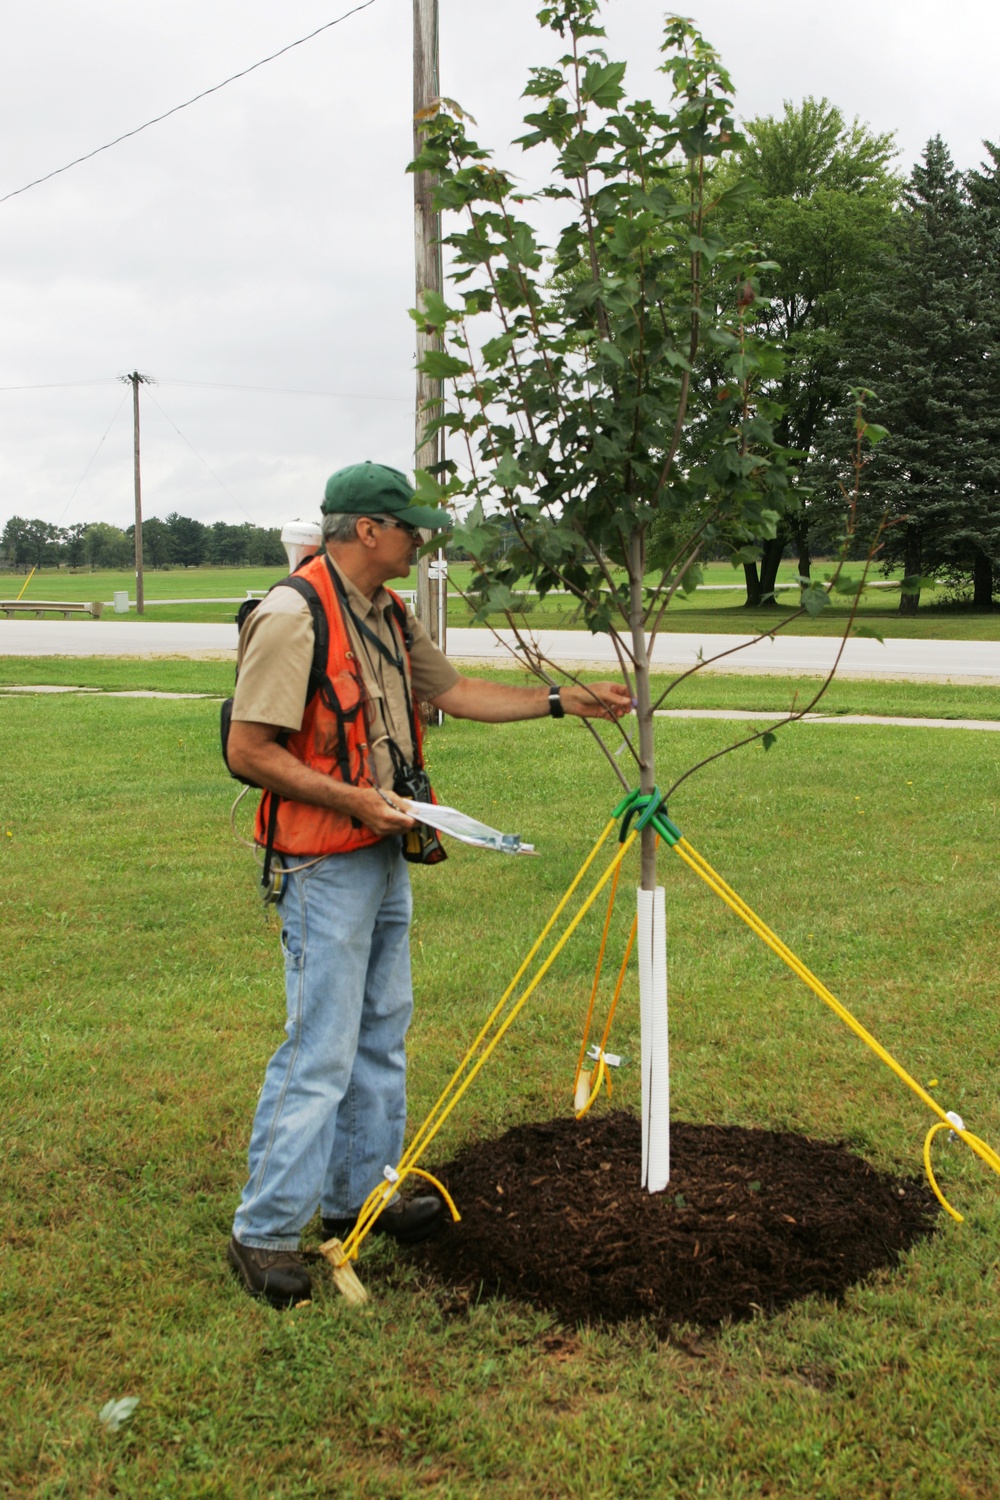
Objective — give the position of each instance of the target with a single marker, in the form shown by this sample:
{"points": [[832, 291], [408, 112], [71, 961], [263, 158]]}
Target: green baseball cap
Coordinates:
{"points": [[374, 490]]}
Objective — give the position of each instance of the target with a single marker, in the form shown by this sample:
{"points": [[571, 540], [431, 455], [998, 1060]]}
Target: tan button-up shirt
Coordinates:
{"points": [[275, 656]]}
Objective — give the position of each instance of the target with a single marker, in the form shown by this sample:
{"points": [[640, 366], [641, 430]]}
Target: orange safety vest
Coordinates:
{"points": [[333, 738]]}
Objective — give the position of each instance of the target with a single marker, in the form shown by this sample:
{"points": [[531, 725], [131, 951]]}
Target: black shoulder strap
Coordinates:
{"points": [[321, 630], [402, 624]]}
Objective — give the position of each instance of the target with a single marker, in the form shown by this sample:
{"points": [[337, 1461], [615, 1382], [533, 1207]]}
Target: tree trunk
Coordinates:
{"points": [[909, 603], [982, 582], [753, 586], [644, 700], [770, 561], [651, 929], [802, 547]]}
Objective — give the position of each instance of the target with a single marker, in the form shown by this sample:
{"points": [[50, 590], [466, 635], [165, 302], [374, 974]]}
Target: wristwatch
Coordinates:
{"points": [[555, 704]]}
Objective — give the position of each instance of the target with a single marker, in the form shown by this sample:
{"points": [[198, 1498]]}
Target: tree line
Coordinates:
{"points": [[888, 283], [179, 541]]}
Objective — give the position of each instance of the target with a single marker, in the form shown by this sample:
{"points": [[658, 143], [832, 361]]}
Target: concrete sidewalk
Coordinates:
{"points": [[756, 716]]}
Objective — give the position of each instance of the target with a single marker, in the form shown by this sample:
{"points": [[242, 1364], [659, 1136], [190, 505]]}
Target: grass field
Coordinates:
{"points": [[708, 611], [768, 695], [141, 981]]}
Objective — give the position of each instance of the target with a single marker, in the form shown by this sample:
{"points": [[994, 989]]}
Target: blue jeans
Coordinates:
{"points": [[332, 1111]]}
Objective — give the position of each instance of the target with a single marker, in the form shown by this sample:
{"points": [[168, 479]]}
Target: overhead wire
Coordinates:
{"points": [[58, 385], [208, 466], [214, 385], [90, 461], [281, 390], [187, 103]]}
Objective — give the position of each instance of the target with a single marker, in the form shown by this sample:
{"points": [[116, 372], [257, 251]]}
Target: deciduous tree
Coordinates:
{"points": [[821, 213]]}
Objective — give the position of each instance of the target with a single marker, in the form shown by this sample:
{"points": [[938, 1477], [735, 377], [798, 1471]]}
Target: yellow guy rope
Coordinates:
{"points": [[380, 1195], [597, 979], [715, 882], [601, 1070]]}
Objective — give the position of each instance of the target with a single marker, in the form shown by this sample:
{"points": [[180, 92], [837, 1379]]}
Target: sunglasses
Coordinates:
{"points": [[412, 531]]}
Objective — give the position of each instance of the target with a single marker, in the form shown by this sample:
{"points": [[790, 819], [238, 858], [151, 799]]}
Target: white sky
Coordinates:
{"points": [[263, 237]]}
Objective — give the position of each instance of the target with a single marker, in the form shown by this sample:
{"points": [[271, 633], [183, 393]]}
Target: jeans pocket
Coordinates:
{"points": [[291, 949]]}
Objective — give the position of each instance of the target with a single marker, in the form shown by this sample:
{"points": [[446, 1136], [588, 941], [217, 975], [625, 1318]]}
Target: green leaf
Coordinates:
{"points": [[507, 473], [429, 491], [871, 632], [753, 1187], [602, 84], [114, 1413], [815, 599], [874, 433], [680, 1201], [437, 310], [441, 366], [767, 740], [914, 583]]}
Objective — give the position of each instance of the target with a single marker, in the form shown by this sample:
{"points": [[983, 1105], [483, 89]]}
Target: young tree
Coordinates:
{"points": [[608, 395], [821, 210], [582, 414]]}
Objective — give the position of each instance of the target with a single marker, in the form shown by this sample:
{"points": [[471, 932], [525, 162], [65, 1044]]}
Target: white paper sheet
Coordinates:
{"points": [[468, 830]]}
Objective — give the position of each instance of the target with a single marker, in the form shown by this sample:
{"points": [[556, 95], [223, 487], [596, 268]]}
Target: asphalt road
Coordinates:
{"points": [[927, 660]]}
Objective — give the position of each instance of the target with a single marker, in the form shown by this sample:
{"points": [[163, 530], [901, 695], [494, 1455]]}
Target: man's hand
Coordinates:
{"points": [[380, 811], [596, 700], [254, 752]]}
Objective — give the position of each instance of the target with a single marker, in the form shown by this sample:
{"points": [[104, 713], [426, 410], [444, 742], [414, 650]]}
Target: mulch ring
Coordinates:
{"points": [[553, 1215]]}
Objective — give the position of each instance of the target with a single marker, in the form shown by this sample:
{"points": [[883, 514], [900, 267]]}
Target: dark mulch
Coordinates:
{"points": [[553, 1214]]}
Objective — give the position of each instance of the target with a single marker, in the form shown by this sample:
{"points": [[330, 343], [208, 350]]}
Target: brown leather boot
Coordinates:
{"points": [[406, 1220], [278, 1276]]}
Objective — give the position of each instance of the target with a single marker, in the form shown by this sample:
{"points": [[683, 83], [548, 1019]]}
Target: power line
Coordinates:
{"points": [[188, 102], [214, 385], [198, 456], [278, 390], [58, 385], [96, 451]]}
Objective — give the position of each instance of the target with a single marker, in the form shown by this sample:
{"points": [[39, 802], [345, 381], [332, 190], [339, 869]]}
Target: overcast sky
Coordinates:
{"points": [[263, 237]]}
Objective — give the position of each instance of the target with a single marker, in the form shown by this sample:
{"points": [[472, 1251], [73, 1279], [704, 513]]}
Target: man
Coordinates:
{"points": [[332, 1110]]}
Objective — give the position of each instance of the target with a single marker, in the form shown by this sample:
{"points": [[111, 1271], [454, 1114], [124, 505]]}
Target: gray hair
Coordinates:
{"points": [[341, 526]]}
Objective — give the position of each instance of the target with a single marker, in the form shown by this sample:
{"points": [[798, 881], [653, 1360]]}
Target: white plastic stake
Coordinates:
{"points": [[652, 944]]}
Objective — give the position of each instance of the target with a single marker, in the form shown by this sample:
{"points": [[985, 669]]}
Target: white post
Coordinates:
{"points": [[651, 940]]}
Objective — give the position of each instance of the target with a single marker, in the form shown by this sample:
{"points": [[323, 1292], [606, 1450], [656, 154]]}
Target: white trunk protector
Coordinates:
{"points": [[652, 942]]}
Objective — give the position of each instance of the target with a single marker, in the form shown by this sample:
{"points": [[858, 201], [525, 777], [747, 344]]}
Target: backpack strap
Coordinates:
{"points": [[321, 630]]}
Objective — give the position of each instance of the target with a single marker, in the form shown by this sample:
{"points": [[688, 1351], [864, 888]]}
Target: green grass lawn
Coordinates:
{"points": [[708, 612], [767, 695], [142, 993]]}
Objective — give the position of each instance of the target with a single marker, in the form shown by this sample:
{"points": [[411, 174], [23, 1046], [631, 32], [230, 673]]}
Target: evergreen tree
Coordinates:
{"points": [[984, 193], [921, 350], [187, 539]]}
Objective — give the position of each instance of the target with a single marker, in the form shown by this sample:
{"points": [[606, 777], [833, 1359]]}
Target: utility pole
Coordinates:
{"points": [[432, 581], [135, 380]]}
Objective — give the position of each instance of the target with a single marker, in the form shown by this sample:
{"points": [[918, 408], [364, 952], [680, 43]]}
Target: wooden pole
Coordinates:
{"points": [[136, 380], [431, 588]]}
